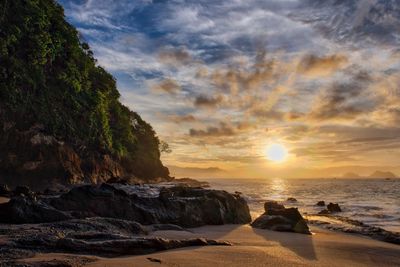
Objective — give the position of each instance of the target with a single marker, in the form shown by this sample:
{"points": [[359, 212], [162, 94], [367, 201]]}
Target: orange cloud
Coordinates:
{"points": [[167, 85], [315, 66]]}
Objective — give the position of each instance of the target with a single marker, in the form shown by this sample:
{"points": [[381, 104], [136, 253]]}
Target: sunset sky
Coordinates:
{"points": [[221, 81]]}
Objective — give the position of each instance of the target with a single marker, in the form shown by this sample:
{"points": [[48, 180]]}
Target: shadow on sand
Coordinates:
{"points": [[300, 244]]}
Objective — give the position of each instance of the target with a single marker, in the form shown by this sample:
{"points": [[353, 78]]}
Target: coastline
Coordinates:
{"points": [[255, 247]]}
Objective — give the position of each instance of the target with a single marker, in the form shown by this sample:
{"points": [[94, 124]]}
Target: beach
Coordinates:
{"points": [[256, 247]]}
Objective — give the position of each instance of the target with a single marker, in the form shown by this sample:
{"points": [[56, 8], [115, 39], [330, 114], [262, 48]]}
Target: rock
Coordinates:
{"points": [[320, 203], [182, 206], [279, 218], [22, 190], [334, 207], [33, 158], [154, 260], [23, 209], [272, 205], [191, 182], [116, 180], [324, 212], [113, 248], [4, 190], [291, 199]]}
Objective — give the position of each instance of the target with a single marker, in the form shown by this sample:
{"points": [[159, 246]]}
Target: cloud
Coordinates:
{"points": [[168, 86], [316, 66], [175, 56], [222, 130], [345, 100], [207, 101], [182, 118], [195, 172]]}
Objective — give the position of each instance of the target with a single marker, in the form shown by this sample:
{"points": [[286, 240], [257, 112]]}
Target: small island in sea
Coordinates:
{"points": [[104, 104]]}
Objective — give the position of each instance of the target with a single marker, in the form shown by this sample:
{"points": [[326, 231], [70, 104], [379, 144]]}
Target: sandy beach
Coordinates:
{"points": [[255, 247], [4, 200]]}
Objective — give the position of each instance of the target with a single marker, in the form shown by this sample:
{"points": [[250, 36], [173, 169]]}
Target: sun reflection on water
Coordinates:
{"points": [[278, 188]]}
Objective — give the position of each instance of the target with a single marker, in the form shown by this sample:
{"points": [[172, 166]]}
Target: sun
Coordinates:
{"points": [[276, 152]]}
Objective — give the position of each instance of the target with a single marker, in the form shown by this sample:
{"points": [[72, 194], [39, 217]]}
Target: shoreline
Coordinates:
{"points": [[253, 247]]}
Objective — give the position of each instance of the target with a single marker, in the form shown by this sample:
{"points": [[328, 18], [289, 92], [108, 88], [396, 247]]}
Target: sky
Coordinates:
{"points": [[221, 81]]}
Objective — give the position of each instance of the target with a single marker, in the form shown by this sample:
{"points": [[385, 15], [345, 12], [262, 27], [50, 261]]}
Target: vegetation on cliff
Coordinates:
{"points": [[48, 77]]}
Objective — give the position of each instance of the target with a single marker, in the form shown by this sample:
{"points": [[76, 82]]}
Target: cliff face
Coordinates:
{"points": [[61, 121]]}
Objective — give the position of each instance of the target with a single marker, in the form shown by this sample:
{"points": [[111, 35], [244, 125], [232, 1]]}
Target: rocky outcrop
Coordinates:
{"points": [[334, 207], [191, 182], [184, 206], [348, 225], [40, 161], [279, 218], [330, 208], [27, 209], [320, 203], [91, 236]]}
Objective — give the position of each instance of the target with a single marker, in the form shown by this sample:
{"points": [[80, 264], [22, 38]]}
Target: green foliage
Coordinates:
{"points": [[48, 77]]}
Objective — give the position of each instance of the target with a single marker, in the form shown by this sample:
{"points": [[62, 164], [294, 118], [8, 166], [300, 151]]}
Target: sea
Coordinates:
{"points": [[375, 202]]}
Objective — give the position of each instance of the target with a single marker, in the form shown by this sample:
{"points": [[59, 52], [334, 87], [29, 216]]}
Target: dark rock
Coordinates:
{"points": [[320, 203], [111, 248], [191, 182], [348, 225], [272, 205], [291, 199], [22, 190], [165, 227], [154, 260], [279, 218], [4, 190], [324, 212], [117, 180], [183, 206], [28, 210], [334, 207]]}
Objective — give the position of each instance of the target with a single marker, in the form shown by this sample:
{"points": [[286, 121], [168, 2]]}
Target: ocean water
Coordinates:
{"points": [[372, 201]]}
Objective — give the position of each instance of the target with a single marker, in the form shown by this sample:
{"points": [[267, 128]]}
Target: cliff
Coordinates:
{"points": [[61, 121]]}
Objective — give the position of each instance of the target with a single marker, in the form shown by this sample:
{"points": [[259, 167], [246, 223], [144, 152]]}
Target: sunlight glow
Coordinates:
{"points": [[276, 152]]}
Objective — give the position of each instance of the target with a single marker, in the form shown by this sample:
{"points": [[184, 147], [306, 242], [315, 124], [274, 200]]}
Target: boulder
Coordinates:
{"points": [[291, 199], [324, 212], [320, 203], [272, 205], [334, 207], [279, 218]]}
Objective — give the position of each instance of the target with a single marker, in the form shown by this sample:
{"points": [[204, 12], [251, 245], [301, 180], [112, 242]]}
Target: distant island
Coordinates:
{"points": [[376, 174], [351, 175], [382, 174]]}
